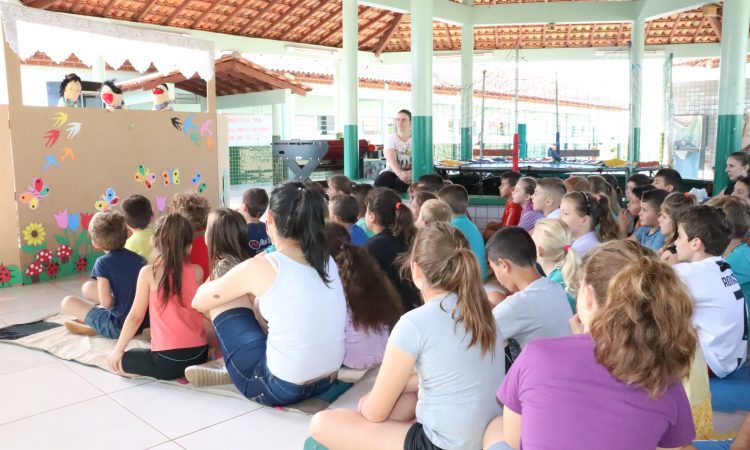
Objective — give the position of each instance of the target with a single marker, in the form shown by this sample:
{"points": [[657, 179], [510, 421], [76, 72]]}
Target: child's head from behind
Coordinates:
{"points": [[548, 194], [554, 243], [576, 184], [651, 202], [702, 231], [138, 212], [255, 202], [419, 198], [509, 251], [385, 209], [441, 259], [675, 205], [339, 184], [668, 179], [639, 314], [360, 193], [226, 235], [457, 197], [737, 212], [430, 182], [173, 239], [108, 230], [523, 191], [343, 209], [433, 211], [193, 206], [508, 181]]}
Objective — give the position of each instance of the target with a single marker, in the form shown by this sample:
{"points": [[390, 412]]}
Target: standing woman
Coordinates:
{"points": [[738, 166], [300, 357], [397, 152]]}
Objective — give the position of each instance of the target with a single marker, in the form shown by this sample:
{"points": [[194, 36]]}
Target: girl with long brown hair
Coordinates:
{"points": [[674, 206], [456, 349], [615, 386], [589, 218]]}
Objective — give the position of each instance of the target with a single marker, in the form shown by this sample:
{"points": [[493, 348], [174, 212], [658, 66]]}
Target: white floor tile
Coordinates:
{"points": [[94, 424], [72, 284], [41, 389], [31, 315], [106, 381], [22, 298], [280, 430], [350, 399], [15, 357], [176, 411], [167, 446]]}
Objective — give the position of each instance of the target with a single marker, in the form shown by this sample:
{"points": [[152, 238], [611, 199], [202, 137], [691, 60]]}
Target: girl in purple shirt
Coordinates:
{"points": [[617, 385]]}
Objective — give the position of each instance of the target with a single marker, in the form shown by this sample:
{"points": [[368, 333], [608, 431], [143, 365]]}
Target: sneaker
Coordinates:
{"points": [[211, 373], [79, 328]]}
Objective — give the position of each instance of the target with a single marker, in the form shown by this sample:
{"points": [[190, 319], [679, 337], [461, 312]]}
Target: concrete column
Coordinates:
{"points": [[731, 86], [637, 46], [277, 119], [421, 87], [287, 128], [467, 87], [350, 84], [99, 69]]}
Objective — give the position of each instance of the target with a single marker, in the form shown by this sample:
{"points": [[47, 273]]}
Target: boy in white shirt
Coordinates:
{"points": [[720, 313], [548, 196]]}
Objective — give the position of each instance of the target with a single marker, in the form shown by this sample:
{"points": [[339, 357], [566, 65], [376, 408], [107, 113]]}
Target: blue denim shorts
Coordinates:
{"points": [[104, 322], [713, 445], [500, 446], [243, 344]]}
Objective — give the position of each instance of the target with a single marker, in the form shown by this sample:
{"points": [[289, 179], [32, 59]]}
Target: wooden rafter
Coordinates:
{"points": [[326, 19], [338, 28], [177, 12], [41, 4], [372, 33], [404, 44], [271, 24], [303, 19], [205, 14], [647, 32], [266, 78], [171, 78], [497, 39], [619, 34], [674, 27], [715, 22], [386, 36], [592, 35], [256, 17], [450, 36], [567, 35], [144, 11], [235, 12], [544, 36], [699, 28]]}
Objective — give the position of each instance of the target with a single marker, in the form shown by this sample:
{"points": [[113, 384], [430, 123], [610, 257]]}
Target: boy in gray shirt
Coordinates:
{"points": [[538, 307]]}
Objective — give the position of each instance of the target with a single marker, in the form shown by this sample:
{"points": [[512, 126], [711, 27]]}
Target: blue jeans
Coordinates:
{"points": [[104, 322], [713, 445], [243, 344]]}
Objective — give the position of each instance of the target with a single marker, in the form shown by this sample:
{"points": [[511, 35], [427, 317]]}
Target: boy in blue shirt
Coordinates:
{"points": [[115, 275], [649, 234], [457, 197], [343, 209], [254, 205]]}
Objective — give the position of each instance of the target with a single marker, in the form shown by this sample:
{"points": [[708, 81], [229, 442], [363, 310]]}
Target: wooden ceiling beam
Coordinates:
{"points": [[269, 79], [328, 17], [237, 10], [592, 35], [257, 17], [450, 36], [273, 23], [619, 34], [144, 11], [372, 34], [715, 22], [674, 27], [174, 77], [699, 28], [338, 28], [388, 34], [41, 4], [310, 12]]}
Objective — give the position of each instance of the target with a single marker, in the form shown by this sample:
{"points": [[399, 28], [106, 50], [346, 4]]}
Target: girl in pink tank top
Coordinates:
{"points": [[165, 290]]}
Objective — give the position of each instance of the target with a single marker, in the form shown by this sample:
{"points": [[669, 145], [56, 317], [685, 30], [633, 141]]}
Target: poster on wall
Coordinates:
{"points": [[688, 145], [249, 130]]}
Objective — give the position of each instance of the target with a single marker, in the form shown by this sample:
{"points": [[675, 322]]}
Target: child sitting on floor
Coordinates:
{"points": [[522, 195], [547, 197], [599, 185], [589, 219], [138, 217], [667, 179], [538, 307], [420, 197], [254, 205], [628, 217], [115, 276], [373, 304], [433, 211], [511, 211], [343, 210], [164, 292], [441, 364], [649, 234], [674, 206], [457, 197], [742, 188], [360, 193], [337, 185], [555, 254], [720, 313], [430, 182], [195, 208]]}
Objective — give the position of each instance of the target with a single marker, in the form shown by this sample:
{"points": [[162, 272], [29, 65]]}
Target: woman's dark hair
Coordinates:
{"points": [[226, 235], [372, 299], [742, 157], [391, 214], [405, 111], [299, 214], [596, 206], [68, 78], [173, 235], [640, 179]]}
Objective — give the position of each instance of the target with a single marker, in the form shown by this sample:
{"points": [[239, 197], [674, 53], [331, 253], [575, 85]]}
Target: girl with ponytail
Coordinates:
{"points": [[672, 209], [442, 363], [393, 224], [636, 344], [554, 250], [300, 296], [590, 220]]}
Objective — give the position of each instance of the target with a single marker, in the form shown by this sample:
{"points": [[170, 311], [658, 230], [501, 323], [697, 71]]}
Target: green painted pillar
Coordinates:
{"points": [[350, 80], [637, 45], [731, 86], [523, 152], [467, 87], [421, 92]]}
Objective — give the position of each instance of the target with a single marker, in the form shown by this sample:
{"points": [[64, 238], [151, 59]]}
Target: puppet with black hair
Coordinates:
{"points": [[111, 96], [70, 91], [160, 95]]}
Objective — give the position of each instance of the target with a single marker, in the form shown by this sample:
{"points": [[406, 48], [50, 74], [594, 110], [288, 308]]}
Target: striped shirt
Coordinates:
{"points": [[529, 217]]}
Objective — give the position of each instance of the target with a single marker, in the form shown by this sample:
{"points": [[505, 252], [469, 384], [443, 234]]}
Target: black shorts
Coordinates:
{"points": [[163, 365], [417, 440]]}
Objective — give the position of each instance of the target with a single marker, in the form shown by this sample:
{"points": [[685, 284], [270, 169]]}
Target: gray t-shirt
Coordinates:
{"points": [[457, 384], [539, 311]]}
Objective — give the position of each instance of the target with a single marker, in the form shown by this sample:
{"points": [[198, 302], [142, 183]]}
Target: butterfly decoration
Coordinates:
{"points": [[35, 194], [172, 177], [145, 176], [199, 185], [108, 200]]}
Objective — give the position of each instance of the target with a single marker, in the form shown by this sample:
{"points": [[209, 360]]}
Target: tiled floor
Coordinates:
{"points": [[46, 403]]}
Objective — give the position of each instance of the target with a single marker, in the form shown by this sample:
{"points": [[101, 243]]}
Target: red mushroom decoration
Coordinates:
{"points": [[81, 264], [4, 274], [44, 256], [63, 253], [33, 271], [52, 269]]}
